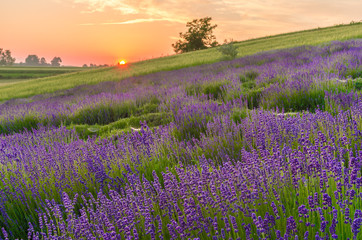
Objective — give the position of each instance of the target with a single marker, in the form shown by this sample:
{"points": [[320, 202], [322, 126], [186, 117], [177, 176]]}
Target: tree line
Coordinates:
{"points": [[32, 60]]}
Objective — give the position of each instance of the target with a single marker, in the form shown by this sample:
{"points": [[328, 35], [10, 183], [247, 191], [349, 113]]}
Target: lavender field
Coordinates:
{"points": [[267, 146]]}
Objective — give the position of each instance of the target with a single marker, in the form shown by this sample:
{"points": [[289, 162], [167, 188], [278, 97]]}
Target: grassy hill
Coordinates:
{"points": [[264, 145], [15, 74], [51, 84]]}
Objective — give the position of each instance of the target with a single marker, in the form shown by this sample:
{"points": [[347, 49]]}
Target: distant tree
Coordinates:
{"points": [[198, 36], [6, 58], [85, 65], [32, 60], [43, 62], [56, 61]]}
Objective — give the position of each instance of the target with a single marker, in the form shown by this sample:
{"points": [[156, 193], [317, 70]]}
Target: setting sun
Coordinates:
{"points": [[122, 62]]}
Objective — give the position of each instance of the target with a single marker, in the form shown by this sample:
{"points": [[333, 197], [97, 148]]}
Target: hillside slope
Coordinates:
{"points": [[248, 47]]}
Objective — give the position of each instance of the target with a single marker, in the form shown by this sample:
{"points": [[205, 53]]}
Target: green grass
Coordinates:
{"points": [[122, 125], [4, 82], [248, 47], [16, 74]]}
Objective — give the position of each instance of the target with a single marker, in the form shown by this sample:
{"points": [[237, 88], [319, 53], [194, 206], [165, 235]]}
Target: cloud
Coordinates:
{"points": [[143, 21], [92, 6], [230, 15], [133, 21], [174, 38]]}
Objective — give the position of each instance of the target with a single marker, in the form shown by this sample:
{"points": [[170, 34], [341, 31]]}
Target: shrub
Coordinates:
{"points": [[228, 50]]}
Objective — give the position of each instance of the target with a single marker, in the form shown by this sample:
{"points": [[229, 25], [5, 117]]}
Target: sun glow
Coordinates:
{"points": [[122, 62]]}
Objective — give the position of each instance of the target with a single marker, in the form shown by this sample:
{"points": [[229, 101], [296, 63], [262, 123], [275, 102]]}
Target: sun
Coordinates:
{"points": [[122, 62]]}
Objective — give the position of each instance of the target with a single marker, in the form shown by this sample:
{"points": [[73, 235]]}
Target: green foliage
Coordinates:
{"points": [[93, 116], [248, 76], [19, 124], [214, 90], [17, 73], [192, 127], [299, 100], [239, 114], [305, 99], [193, 89], [354, 73], [249, 85], [198, 36], [228, 50], [103, 114], [358, 84], [121, 125], [253, 97], [108, 113], [147, 102]]}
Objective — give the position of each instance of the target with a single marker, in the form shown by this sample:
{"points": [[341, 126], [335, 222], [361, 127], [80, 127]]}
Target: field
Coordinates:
{"points": [[265, 146], [249, 47], [11, 75]]}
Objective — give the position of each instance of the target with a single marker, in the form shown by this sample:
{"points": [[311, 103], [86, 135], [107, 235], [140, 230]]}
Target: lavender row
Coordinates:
{"points": [[219, 170], [271, 151], [265, 78]]}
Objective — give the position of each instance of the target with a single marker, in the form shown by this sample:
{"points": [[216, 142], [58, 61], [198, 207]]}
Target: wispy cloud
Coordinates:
{"points": [[133, 21], [143, 20], [174, 38], [92, 6], [233, 15]]}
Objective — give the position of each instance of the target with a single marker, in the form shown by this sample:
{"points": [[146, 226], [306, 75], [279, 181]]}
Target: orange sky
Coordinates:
{"points": [[104, 31]]}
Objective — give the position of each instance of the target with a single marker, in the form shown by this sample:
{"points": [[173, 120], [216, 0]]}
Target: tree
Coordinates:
{"points": [[43, 62], [198, 36], [56, 61], [6, 58], [32, 60]]}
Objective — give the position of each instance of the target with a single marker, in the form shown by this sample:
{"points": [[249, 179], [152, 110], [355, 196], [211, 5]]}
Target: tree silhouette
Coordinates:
{"points": [[43, 62], [6, 58], [56, 61], [32, 60], [198, 36]]}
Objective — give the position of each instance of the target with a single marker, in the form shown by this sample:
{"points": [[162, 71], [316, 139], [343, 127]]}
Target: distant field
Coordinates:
{"points": [[248, 47], [11, 75]]}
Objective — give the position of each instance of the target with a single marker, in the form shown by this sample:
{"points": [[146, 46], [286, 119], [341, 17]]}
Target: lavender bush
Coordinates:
{"points": [[233, 162]]}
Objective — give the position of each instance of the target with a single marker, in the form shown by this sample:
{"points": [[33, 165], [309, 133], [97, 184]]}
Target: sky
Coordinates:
{"points": [[106, 31]]}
